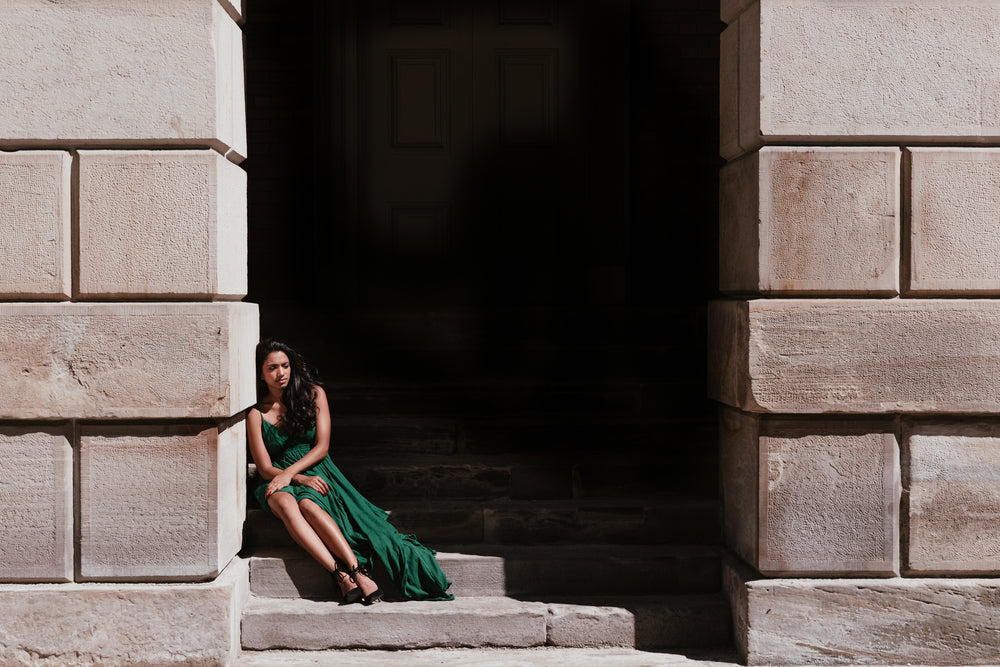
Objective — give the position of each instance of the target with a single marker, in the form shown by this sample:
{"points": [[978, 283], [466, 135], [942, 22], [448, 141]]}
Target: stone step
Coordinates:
{"points": [[528, 477], [481, 571], [542, 656], [273, 623], [485, 398], [591, 521], [577, 434]]}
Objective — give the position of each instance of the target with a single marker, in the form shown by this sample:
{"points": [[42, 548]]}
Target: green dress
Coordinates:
{"points": [[411, 565]]}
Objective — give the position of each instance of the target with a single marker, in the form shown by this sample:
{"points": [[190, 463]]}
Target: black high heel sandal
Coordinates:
{"points": [[353, 595], [372, 597]]}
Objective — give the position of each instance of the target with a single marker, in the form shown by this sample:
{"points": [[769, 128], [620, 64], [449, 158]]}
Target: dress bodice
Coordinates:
{"points": [[278, 442]]}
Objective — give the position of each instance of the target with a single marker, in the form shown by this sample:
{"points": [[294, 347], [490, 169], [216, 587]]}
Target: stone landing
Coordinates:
{"points": [[864, 621], [124, 624]]}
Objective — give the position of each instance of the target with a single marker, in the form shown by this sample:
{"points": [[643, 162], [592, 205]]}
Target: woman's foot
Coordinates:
{"points": [[370, 591], [351, 591]]}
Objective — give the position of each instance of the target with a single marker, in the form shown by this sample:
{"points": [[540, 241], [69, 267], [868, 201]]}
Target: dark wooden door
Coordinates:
{"points": [[491, 153]]}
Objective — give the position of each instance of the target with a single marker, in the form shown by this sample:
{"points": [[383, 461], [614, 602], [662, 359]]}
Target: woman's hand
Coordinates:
{"points": [[278, 482], [313, 482]]}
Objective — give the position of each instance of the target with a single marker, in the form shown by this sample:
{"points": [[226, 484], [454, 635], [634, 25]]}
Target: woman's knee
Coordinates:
{"points": [[309, 508], [281, 503]]}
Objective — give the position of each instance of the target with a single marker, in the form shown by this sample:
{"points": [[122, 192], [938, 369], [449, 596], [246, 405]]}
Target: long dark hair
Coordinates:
{"points": [[298, 397]]}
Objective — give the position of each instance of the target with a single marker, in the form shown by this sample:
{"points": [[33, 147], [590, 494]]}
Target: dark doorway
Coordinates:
{"points": [[492, 226]]}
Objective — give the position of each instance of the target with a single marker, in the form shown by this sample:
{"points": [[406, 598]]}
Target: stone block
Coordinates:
{"points": [[36, 503], [116, 70], [469, 622], [124, 625], [855, 356], [584, 626], [292, 573], [162, 224], [955, 203], [160, 502], [35, 225], [739, 475], [812, 497], [891, 70], [954, 497], [127, 360], [810, 220], [729, 104], [924, 621]]}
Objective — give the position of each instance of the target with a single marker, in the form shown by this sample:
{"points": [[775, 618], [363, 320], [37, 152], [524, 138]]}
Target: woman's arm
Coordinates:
{"points": [[257, 449], [320, 448]]}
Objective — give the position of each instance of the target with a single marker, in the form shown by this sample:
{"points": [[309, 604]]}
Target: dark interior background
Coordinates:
{"points": [[648, 335]]}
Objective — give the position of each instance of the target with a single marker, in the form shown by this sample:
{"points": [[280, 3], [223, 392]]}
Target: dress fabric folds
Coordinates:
{"points": [[410, 565]]}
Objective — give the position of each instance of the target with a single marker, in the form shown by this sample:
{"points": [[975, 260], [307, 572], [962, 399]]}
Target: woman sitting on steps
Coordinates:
{"points": [[289, 434]]}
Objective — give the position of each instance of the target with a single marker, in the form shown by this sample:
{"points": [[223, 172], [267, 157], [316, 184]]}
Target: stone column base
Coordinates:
{"points": [[124, 624], [926, 621]]}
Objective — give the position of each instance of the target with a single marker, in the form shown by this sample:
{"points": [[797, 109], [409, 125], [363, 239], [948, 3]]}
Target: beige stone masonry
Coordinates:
{"points": [[127, 360], [125, 624], [954, 235], [118, 71], [856, 355], [36, 503], [35, 225], [812, 496], [162, 223], [890, 70], [810, 220], [954, 498], [923, 621], [160, 502]]}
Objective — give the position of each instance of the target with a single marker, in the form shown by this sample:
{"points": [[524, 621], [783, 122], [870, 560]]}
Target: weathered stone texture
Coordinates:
{"points": [[955, 239], [829, 497], [35, 224], [954, 498], [810, 496], [112, 70], [126, 360], [170, 223], [892, 69], [124, 625], [36, 503], [583, 625], [156, 501], [871, 621], [823, 220], [855, 356]]}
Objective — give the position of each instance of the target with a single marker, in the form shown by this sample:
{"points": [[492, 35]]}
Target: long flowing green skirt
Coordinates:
{"points": [[410, 565]]}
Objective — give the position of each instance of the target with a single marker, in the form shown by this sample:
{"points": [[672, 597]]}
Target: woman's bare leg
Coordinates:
{"points": [[329, 532], [285, 507]]}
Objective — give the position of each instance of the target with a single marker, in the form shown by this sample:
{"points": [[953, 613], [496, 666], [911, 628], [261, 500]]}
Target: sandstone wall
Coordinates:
{"points": [[127, 357], [857, 349]]}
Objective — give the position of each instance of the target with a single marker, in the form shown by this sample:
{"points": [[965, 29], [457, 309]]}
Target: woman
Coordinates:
{"points": [[289, 434]]}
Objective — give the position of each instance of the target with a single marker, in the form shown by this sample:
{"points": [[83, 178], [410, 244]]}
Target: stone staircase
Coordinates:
{"points": [[571, 506], [518, 596], [611, 561]]}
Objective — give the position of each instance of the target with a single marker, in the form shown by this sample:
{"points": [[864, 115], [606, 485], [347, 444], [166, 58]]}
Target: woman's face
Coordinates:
{"points": [[276, 371]]}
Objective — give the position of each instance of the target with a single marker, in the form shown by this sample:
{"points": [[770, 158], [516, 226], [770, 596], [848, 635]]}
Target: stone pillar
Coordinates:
{"points": [[126, 354], [857, 354]]}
